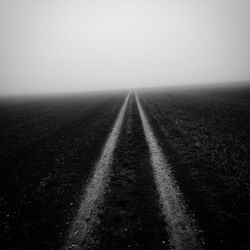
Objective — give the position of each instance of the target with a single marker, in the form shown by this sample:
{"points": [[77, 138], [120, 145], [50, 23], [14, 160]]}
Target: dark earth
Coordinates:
{"points": [[206, 138], [49, 146], [46, 157]]}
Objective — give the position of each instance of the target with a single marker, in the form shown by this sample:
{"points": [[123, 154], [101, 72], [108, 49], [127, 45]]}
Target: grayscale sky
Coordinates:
{"points": [[77, 45]]}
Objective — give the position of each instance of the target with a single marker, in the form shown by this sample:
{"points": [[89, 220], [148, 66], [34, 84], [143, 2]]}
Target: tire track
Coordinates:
{"points": [[181, 226], [86, 214], [130, 215]]}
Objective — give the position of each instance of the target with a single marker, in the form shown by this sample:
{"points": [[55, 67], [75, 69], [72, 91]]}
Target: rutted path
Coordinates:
{"points": [[132, 201], [132, 217]]}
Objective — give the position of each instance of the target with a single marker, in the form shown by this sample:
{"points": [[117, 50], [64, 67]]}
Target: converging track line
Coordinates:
{"points": [[181, 227], [95, 188]]}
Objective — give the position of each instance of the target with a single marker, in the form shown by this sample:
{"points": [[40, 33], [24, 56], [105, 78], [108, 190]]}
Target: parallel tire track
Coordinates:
{"points": [[181, 227], [130, 215], [85, 217]]}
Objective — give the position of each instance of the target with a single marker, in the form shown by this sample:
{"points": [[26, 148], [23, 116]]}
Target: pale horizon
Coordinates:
{"points": [[76, 46]]}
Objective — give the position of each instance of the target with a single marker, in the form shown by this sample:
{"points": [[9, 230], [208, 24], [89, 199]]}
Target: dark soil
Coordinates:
{"points": [[49, 147], [206, 137], [45, 160], [132, 217]]}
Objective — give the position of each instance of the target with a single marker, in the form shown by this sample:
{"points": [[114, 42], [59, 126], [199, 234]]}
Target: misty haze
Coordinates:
{"points": [[125, 124]]}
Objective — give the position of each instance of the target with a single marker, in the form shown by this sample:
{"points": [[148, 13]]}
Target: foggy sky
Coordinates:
{"points": [[77, 45]]}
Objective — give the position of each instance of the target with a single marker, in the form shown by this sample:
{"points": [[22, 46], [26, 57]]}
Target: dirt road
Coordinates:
{"points": [[132, 201]]}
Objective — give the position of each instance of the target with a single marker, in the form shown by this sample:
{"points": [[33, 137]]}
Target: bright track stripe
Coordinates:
{"points": [[95, 188], [181, 227]]}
